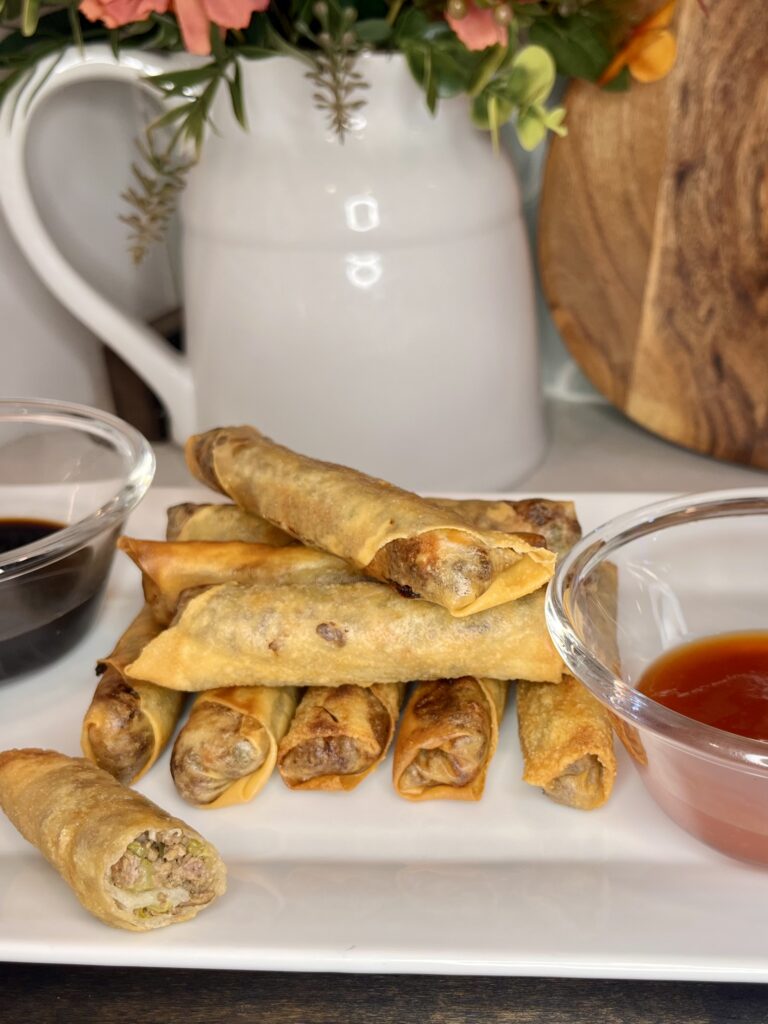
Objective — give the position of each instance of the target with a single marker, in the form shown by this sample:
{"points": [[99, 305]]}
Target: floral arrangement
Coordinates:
{"points": [[503, 54]]}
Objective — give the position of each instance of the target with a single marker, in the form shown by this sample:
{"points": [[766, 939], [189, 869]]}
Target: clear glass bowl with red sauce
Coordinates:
{"points": [[69, 476], [643, 585]]}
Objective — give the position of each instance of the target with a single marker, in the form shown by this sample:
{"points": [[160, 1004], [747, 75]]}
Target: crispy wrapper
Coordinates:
{"points": [[236, 635], [339, 735], [228, 748], [567, 743], [83, 822], [392, 535], [447, 739], [170, 568], [190, 521], [555, 521], [129, 722]]}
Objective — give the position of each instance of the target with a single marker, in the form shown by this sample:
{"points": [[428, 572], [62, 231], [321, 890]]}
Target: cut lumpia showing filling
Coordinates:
{"points": [[163, 872], [458, 707], [577, 782], [328, 749], [212, 752]]}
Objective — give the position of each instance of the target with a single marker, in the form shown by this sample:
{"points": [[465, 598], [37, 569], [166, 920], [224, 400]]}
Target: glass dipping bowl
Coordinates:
{"points": [[85, 471], [666, 574]]}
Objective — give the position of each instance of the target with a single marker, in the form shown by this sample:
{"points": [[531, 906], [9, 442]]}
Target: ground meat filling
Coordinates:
{"points": [[162, 872], [434, 563], [578, 783], [218, 746], [330, 749], [459, 711], [455, 764]]}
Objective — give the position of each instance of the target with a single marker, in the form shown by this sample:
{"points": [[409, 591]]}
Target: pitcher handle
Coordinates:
{"points": [[143, 349]]}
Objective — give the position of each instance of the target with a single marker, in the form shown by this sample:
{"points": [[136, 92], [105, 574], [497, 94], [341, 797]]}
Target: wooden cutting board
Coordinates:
{"points": [[653, 237]]}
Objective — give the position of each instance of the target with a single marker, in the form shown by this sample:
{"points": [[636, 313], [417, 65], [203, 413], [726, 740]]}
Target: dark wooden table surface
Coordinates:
{"points": [[35, 995]]}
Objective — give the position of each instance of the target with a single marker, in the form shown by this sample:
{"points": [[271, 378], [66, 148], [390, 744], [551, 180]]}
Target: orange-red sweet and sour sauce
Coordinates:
{"points": [[720, 680]]}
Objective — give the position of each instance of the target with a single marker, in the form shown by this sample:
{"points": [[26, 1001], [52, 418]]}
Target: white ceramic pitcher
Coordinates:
{"points": [[370, 302]]}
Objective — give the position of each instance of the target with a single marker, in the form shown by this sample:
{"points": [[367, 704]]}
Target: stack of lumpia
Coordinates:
{"points": [[279, 615]]}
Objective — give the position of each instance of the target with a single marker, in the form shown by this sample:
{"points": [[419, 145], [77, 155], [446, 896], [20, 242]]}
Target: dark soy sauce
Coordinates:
{"points": [[48, 609], [15, 533]]}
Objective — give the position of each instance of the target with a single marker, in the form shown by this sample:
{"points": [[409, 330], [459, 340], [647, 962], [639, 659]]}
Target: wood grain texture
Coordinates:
{"points": [[656, 263], [596, 225], [46, 994]]}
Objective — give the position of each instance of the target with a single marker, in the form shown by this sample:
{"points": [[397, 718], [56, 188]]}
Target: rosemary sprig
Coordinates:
{"points": [[158, 180], [335, 76], [160, 176]]}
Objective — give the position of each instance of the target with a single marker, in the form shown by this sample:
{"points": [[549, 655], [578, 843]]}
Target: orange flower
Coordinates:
{"points": [[115, 13], [194, 16], [650, 50]]}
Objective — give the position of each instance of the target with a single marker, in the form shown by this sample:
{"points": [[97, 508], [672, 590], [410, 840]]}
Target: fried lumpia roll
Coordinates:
{"points": [[567, 743], [128, 862], [555, 521], [234, 635], [170, 568], [339, 735], [447, 739], [390, 534], [129, 722], [227, 750], [189, 521]]}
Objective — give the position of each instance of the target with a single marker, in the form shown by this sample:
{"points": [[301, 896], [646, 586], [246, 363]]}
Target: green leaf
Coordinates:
{"points": [[503, 108], [492, 61], [254, 52], [453, 66], [533, 124], [430, 85], [176, 83], [77, 32], [193, 127], [530, 128], [577, 45], [539, 69], [236, 95], [159, 32], [373, 30], [170, 116], [218, 49], [29, 16], [114, 43], [553, 121]]}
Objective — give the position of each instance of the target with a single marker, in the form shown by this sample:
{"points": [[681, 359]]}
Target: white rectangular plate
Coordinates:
{"points": [[365, 881]]}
